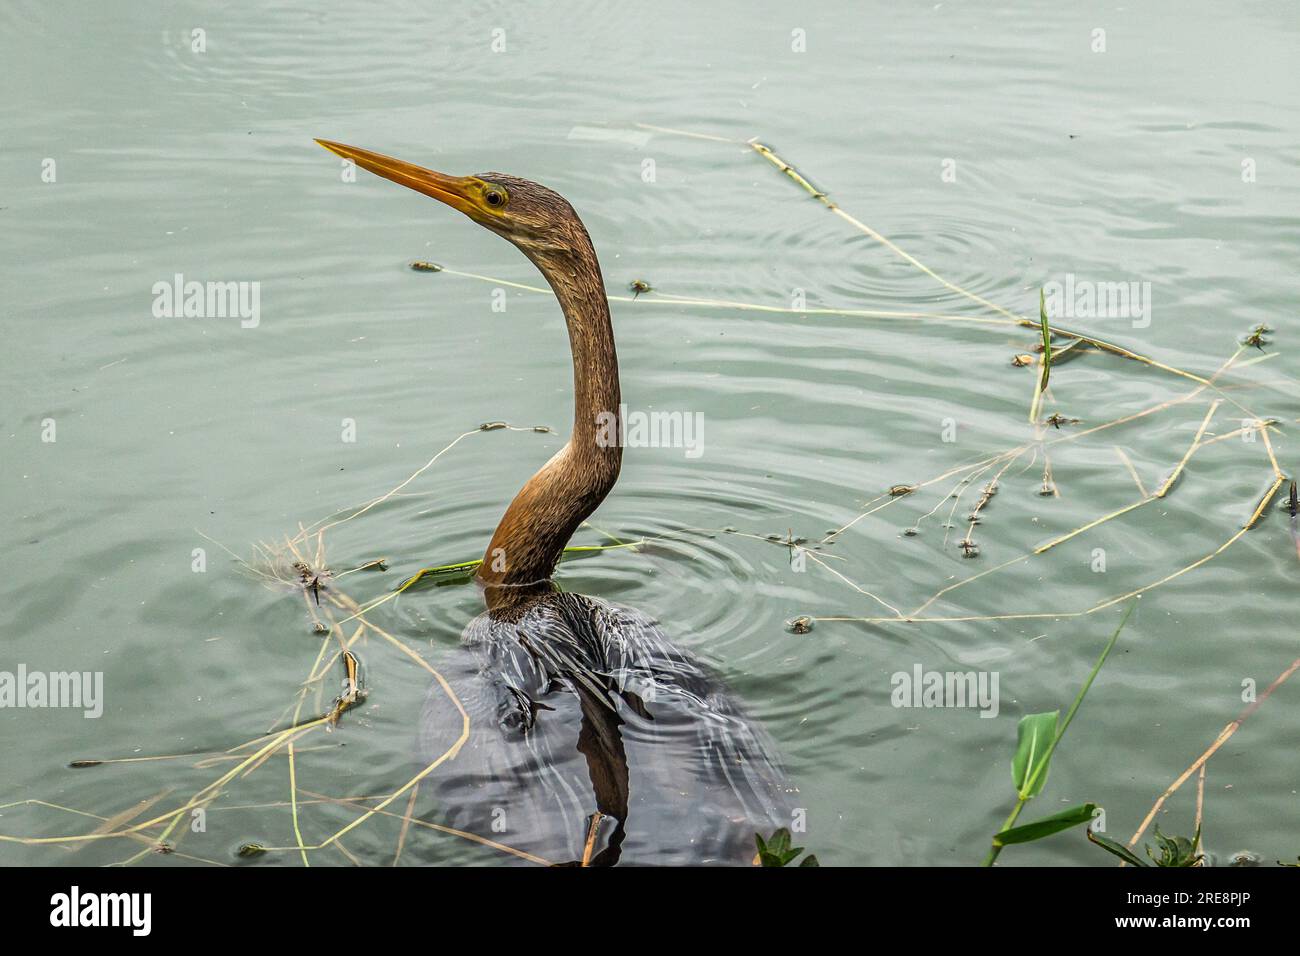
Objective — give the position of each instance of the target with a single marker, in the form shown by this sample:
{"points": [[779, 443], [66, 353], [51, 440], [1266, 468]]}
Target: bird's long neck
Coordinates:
{"points": [[554, 502]]}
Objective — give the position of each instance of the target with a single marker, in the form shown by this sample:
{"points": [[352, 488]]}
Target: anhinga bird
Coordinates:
{"points": [[592, 738]]}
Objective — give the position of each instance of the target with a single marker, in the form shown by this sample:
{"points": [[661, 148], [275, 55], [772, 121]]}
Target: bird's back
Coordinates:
{"points": [[592, 737]]}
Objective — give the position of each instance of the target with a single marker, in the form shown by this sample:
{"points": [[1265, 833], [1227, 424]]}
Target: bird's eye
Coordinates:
{"points": [[494, 197]]}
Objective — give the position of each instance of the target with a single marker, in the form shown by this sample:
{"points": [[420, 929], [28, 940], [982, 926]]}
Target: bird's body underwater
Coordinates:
{"points": [[592, 739]]}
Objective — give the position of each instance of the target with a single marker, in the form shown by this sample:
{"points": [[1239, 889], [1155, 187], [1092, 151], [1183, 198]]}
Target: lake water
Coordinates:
{"points": [[1004, 148]]}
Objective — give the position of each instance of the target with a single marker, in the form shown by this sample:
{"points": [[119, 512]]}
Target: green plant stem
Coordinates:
{"points": [[1024, 796], [463, 566]]}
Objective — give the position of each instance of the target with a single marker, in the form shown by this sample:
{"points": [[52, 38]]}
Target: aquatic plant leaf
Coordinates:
{"points": [[777, 851], [1119, 849], [1071, 350], [1034, 737], [462, 572], [119, 820], [1047, 825], [1176, 851], [811, 860], [1047, 340], [779, 843], [1038, 736]]}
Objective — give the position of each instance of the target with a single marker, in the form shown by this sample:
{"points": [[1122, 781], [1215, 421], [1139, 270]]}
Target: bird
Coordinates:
{"points": [[593, 739]]}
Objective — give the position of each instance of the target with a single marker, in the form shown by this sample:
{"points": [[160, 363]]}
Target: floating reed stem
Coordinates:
{"points": [[1196, 443], [794, 174], [1137, 480], [821, 196], [1224, 736]]}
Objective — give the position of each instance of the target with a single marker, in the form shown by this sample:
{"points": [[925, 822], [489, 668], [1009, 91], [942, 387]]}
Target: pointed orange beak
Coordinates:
{"points": [[455, 191]]}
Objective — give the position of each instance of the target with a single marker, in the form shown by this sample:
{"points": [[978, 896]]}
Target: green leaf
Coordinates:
{"points": [[1047, 340], [778, 844], [1047, 825], [1121, 851], [1176, 851], [1034, 737], [777, 851], [811, 860], [1029, 766]]}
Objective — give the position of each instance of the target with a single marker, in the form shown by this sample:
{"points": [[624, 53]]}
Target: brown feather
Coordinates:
{"points": [[548, 509]]}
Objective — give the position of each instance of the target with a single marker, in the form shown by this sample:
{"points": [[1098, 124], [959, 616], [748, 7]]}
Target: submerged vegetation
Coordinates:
{"points": [[297, 565], [1175, 851]]}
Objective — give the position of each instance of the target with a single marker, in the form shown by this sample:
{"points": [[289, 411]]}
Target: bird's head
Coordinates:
{"points": [[536, 219]]}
